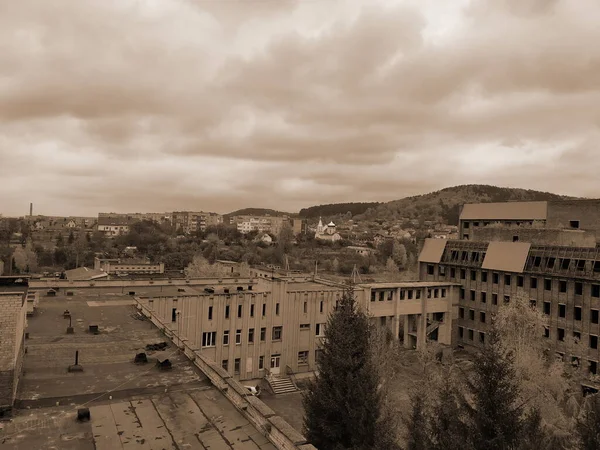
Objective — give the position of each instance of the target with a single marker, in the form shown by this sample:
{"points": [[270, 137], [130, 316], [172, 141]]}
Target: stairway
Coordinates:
{"points": [[432, 327], [281, 384]]}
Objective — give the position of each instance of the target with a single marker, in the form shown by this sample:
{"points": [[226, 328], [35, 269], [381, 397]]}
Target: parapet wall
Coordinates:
{"points": [[282, 435], [103, 283], [12, 325], [536, 236]]}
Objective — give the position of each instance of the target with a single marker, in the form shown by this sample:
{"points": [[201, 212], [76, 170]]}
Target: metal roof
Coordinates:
{"points": [[505, 211], [506, 256]]}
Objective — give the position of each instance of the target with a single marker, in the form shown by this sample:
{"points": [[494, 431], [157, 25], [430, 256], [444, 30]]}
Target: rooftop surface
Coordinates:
{"points": [[131, 406]]}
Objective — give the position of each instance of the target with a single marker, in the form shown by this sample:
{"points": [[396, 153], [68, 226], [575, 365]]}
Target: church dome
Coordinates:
{"points": [[331, 224]]}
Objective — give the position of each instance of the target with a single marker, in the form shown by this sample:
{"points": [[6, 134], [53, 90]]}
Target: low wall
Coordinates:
{"points": [[263, 418], [103, 283]]}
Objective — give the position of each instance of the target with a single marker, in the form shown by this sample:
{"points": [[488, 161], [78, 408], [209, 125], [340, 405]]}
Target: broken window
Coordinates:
{"points": [[463, 274], [473, 275], [547, 284], [593, 341], [581, 264], [577, 313], [470, 334], [574, 224], [506, 299], [482, 317], [519, 280], [227, 311], [594, 316], [473, 293], [239, 311], [495, 278], [263, 334], [430, 269], [482, 337], [483, 297], [533, 283], [562, 310], [472, 314], [461, 332], [562, 286], [452, 272], [596, 290], [547, 308], [303, 357], [515, 238], [461, 313], [507, 279], [494, 299], [578, 288], [484, 277], [462, 293], [546, 332], [442, 271], [560, 334], [565, 263]]}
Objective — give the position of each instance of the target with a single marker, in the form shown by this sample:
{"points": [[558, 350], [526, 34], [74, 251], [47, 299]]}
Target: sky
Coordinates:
{"points": [[215, 105]]}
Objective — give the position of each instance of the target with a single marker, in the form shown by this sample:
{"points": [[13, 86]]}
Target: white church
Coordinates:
{"points": [[327, 232]]}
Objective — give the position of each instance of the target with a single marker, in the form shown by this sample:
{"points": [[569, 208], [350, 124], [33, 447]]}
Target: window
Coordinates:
{"points": [[578, 288], [276, 309], [483, 297], [277, 333], [461, 313], [473, 275], [261, 362], [533, 303], [227, 311], [452, 272], [574, 224], [402, 294], [442, 271], [174, 315], [238, 337], [236, 367], [596, 290], [461, 332], [463, 274], [547, 306], [430, 269], [482, 337], [462, 293], [264, 309], [251, 335], [561, 334], [593, 367], [547, 284], [210, 310], [519, 280], [239, 311], [321, 307], [594, 316], [506, 299], [565, 263], [593, 341], [484, 276], [495, 278], [373, 296], [263, 334], [473, 293], [482, 317], [472, 314], [410, 294], [226, 337], [252, 310], [466, 225], [562, 310], [533, 283], [320, 329], [515, 238], [305, 307], [303, 357], [443, 292], [470, 335], [494, 299], [577, 336], [546, 332], [305, 326], [209, 339], [225, 364], [562, 286], [578, 313], [507, 280]]}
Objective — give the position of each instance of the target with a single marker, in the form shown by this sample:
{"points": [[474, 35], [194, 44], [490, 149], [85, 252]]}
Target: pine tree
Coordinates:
{"points": [[343, 405], [497, 420], [447, 427], [417, 431], [588, 424]]}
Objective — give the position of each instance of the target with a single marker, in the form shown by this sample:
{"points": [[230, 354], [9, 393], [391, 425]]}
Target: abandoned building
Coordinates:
{"points": [[556, 265]]}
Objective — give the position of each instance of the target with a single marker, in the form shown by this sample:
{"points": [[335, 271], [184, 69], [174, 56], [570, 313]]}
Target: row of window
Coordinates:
{"points": [[264, 310], [408, 294], [209, 338], [302, 360]]}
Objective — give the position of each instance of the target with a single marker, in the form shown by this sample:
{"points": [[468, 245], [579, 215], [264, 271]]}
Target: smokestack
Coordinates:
{"points": [[30, 209]]}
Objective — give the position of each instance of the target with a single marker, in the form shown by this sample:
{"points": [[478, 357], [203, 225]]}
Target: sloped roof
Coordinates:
{"points": [[432, 252], [505, 211], [506, 256]]}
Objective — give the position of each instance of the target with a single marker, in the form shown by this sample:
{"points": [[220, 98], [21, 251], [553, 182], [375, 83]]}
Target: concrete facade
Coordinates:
{"points": [[562, 282], [280, 330], [12, 335], [116, 266], [541, 236]]}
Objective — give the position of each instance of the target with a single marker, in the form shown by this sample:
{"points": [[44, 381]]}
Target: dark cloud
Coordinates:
{"points": [[197, 104]]}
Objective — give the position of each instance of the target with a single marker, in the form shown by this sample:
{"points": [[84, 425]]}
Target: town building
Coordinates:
{"points": [[299, 226], [191, 222], [543, 251], [263, 224], [13, 322], [127, 265], [112, 225], [327, 232]]}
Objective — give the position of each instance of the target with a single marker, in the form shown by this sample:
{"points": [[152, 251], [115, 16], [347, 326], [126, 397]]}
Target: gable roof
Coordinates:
{"points": [[505, 211], [432, 252], [506, 256]]}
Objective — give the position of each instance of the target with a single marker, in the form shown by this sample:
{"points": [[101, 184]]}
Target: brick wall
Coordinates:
{"points": [[539, 236], [12, 326]]}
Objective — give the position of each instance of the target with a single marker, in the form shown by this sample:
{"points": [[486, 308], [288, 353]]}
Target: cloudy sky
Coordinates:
{"points": [[160, 105]]}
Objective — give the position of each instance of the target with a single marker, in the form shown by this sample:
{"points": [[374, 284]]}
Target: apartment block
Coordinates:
{"points": [[12, 336], [277, 327], [117, 266], [563, 282], [191, 222]]}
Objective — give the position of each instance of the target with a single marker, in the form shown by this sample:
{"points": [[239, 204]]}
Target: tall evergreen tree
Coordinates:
{"points": [[417, 430], [446, 421], [343, 405], [588, 424], [497, 420]]}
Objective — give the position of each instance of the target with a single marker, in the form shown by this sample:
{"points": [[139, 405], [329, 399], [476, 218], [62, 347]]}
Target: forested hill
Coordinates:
{"points": [[257, 212], [334, 209], [444, 205]]}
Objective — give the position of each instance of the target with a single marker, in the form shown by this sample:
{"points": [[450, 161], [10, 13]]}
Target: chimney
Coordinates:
{"points": [[30, 209]]}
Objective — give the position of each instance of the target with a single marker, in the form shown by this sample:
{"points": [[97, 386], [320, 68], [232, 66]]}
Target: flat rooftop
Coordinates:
{"points": [[131, 406], [310, 286], [409, 284]]}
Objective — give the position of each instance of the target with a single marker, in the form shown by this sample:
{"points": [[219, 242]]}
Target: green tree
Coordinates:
{"points": [[60, 241], [446, 420], [71, 238], [417, 423], [391, 266], [399, 254], [343, 405]]}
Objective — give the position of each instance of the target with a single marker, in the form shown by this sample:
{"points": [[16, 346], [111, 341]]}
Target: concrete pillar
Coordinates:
{"points": [[406, 336]]}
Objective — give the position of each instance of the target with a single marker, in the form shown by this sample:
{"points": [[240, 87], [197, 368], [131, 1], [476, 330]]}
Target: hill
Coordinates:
{"points": [[257, 212], [444, 204], [334, 209]]}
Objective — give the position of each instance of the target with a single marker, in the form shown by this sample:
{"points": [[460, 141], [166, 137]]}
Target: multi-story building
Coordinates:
{"points": [[117, 266], [114, 225], [557, 269], [191, 222], [277, 326], [262, 224], [13, 322]]}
